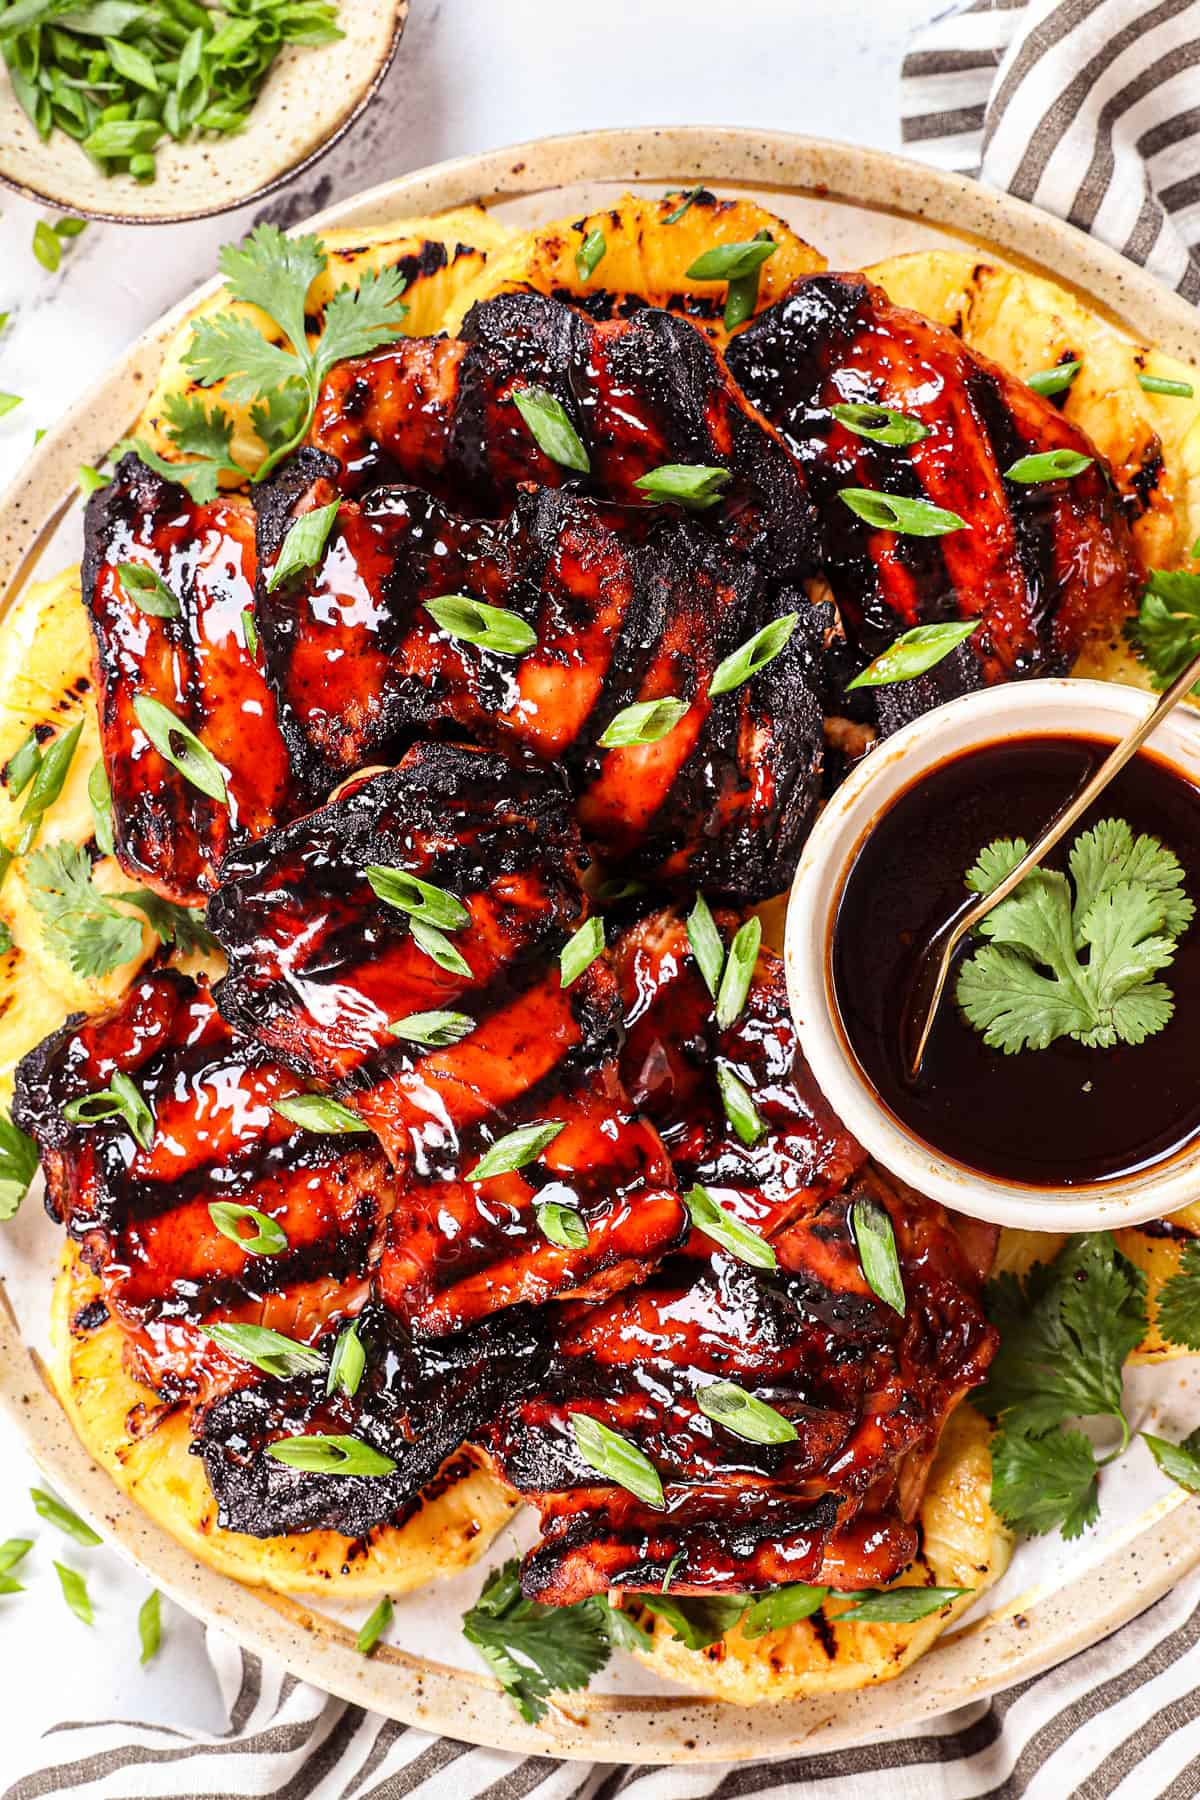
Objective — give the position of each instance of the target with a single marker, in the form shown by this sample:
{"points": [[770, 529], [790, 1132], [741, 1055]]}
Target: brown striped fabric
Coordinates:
{"points": [[1089, 108]]}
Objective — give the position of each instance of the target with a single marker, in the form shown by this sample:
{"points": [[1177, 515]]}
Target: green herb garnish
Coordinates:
{"points": [[617, 1459], [515, 1150], [331, 1455], [752, 656], [63, 1519], [493, 628], [892, 512], [1158, 384], [693, 485], [879, 424], [267, 1350], [915, 652], [781, 1607], [739, 1106], [900, 1605], [1055, 380], [645, 722], [690, 197], [267, 1238], [374, 1627], [18, 1166], [876, 1242], [419, 899], [433, 1030], [348, 1364], [563, 1225], [75, 1593], [47, 785], [716, 1222], [1180, 1461], [148, 591], [1178, 1307], [748, 1417], [1066, 1329], [178, 744], [304, 544], [317, 1112], [436, 945], [551, 429], [590, 253], [119, 1100], [1029, 984], [739, 972], [535, 1651], [1050, 465], [707, 947], [100, 801], [581, 950], [84, 928], [150, 1625], [1166, 632], [9, 403]]}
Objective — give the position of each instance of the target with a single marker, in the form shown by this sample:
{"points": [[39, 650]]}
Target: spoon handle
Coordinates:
{"points": [[1114, 762]]}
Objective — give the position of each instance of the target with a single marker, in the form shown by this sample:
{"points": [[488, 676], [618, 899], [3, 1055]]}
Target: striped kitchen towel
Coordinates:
{"points": [[1088, 108], [1120, 1721]]}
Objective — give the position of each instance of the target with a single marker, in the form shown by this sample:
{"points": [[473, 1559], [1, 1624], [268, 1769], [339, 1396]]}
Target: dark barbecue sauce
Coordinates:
{"points": [[1059, 1117]]}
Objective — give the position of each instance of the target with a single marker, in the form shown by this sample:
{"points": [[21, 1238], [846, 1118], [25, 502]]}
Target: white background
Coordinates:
{"points": [[470, 75]]}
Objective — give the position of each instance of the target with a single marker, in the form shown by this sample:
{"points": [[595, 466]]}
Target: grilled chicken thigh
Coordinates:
{"points": [[628, 605], [170, 832], [141, 1216], [1044, 564], [321, 968], [640, 392]]}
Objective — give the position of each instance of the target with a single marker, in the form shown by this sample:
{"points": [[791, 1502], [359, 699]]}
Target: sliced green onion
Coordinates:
{"points": [[876, 1241], [90, 480], [739, 1106], [250, 632], [1055, 380], [690, 197], [332, 1455], [645, 722], [63, 1519], [438, 947], [120, 1100], [348, 1363], [304, 544], [515, 1149], [374, 1627], [433, 1030], [581, 950], [915, 652], [551, 428], [899, 1606], [617, 1459], [47, 784], [748, 1417], [75, 1593], [1157, 384], [879, 424], [892, 512], [1049, 465], [420, 899], [491, 627], [729, 262], [707, 946], [47, 246], [563, 1225], [317, 1112], [150, 1625], [739, 972], [267, 1350], [13, 1551], [268, 1237], [148, 591], [694, 485], [752, 656], [781, 1607], [23, 765], [710, 1217], [590, 253], [178, 744], [9, 403], [100, 801]]}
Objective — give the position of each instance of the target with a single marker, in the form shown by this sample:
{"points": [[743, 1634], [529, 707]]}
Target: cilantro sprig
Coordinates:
{"points": [[1066, 1329], [1032, 983], [1165, 632], [274, 273], [1178, 1306], [87, 930], [534, 1650]]}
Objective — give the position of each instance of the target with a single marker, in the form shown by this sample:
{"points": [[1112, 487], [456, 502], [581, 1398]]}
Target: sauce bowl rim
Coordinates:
{"points": [[1052, 706]]}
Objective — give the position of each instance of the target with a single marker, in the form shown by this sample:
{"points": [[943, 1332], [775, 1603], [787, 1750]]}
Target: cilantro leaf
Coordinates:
{"points": [[182, 926], [197, 432], [1179, 1301], [1065, 1332], [1166, 632], [698, 1621], [83, 927], [1081, 965], [1041, 1482], [534, 1650], [18, 1166], [274, 273]]}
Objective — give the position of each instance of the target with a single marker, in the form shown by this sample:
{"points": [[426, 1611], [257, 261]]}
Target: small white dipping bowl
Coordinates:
{"points": [[1093, 709]]}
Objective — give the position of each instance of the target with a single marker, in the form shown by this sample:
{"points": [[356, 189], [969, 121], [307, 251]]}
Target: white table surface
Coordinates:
{"points": [[470, 75]]}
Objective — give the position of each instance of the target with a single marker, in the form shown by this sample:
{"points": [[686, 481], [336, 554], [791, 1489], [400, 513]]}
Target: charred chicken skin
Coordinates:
{"points": [[628, 605], [195, 664], [141, 1216], [1044, 564], [321, 968], [639, 392]]}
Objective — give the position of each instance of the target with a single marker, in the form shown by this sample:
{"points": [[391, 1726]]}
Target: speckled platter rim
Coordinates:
{"points": [[1042, 1629], [246, 167]]}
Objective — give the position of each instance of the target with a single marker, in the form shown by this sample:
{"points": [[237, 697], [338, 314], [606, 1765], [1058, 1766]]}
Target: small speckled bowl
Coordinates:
{"points": [[1092, 709], [310, 99]]}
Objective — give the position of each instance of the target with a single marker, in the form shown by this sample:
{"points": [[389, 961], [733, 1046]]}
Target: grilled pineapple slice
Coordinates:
{"points": [[45, 678], [1027, 323], [146, 1451], [964, 1544], [645, 257], [437, 256]]}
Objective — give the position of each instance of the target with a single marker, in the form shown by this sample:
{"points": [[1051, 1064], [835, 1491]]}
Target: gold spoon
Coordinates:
{"points": [[934, 968]]}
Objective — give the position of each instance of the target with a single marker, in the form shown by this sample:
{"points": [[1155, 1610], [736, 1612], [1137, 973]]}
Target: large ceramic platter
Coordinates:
{"points": [[856, 206]]}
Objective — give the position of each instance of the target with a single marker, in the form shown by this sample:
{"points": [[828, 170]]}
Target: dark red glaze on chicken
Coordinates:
{"points": [[640, 392], [1045, 565], [628, 605], [141, 1217], [169, 833], [866, 1389], [319, 968]]}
